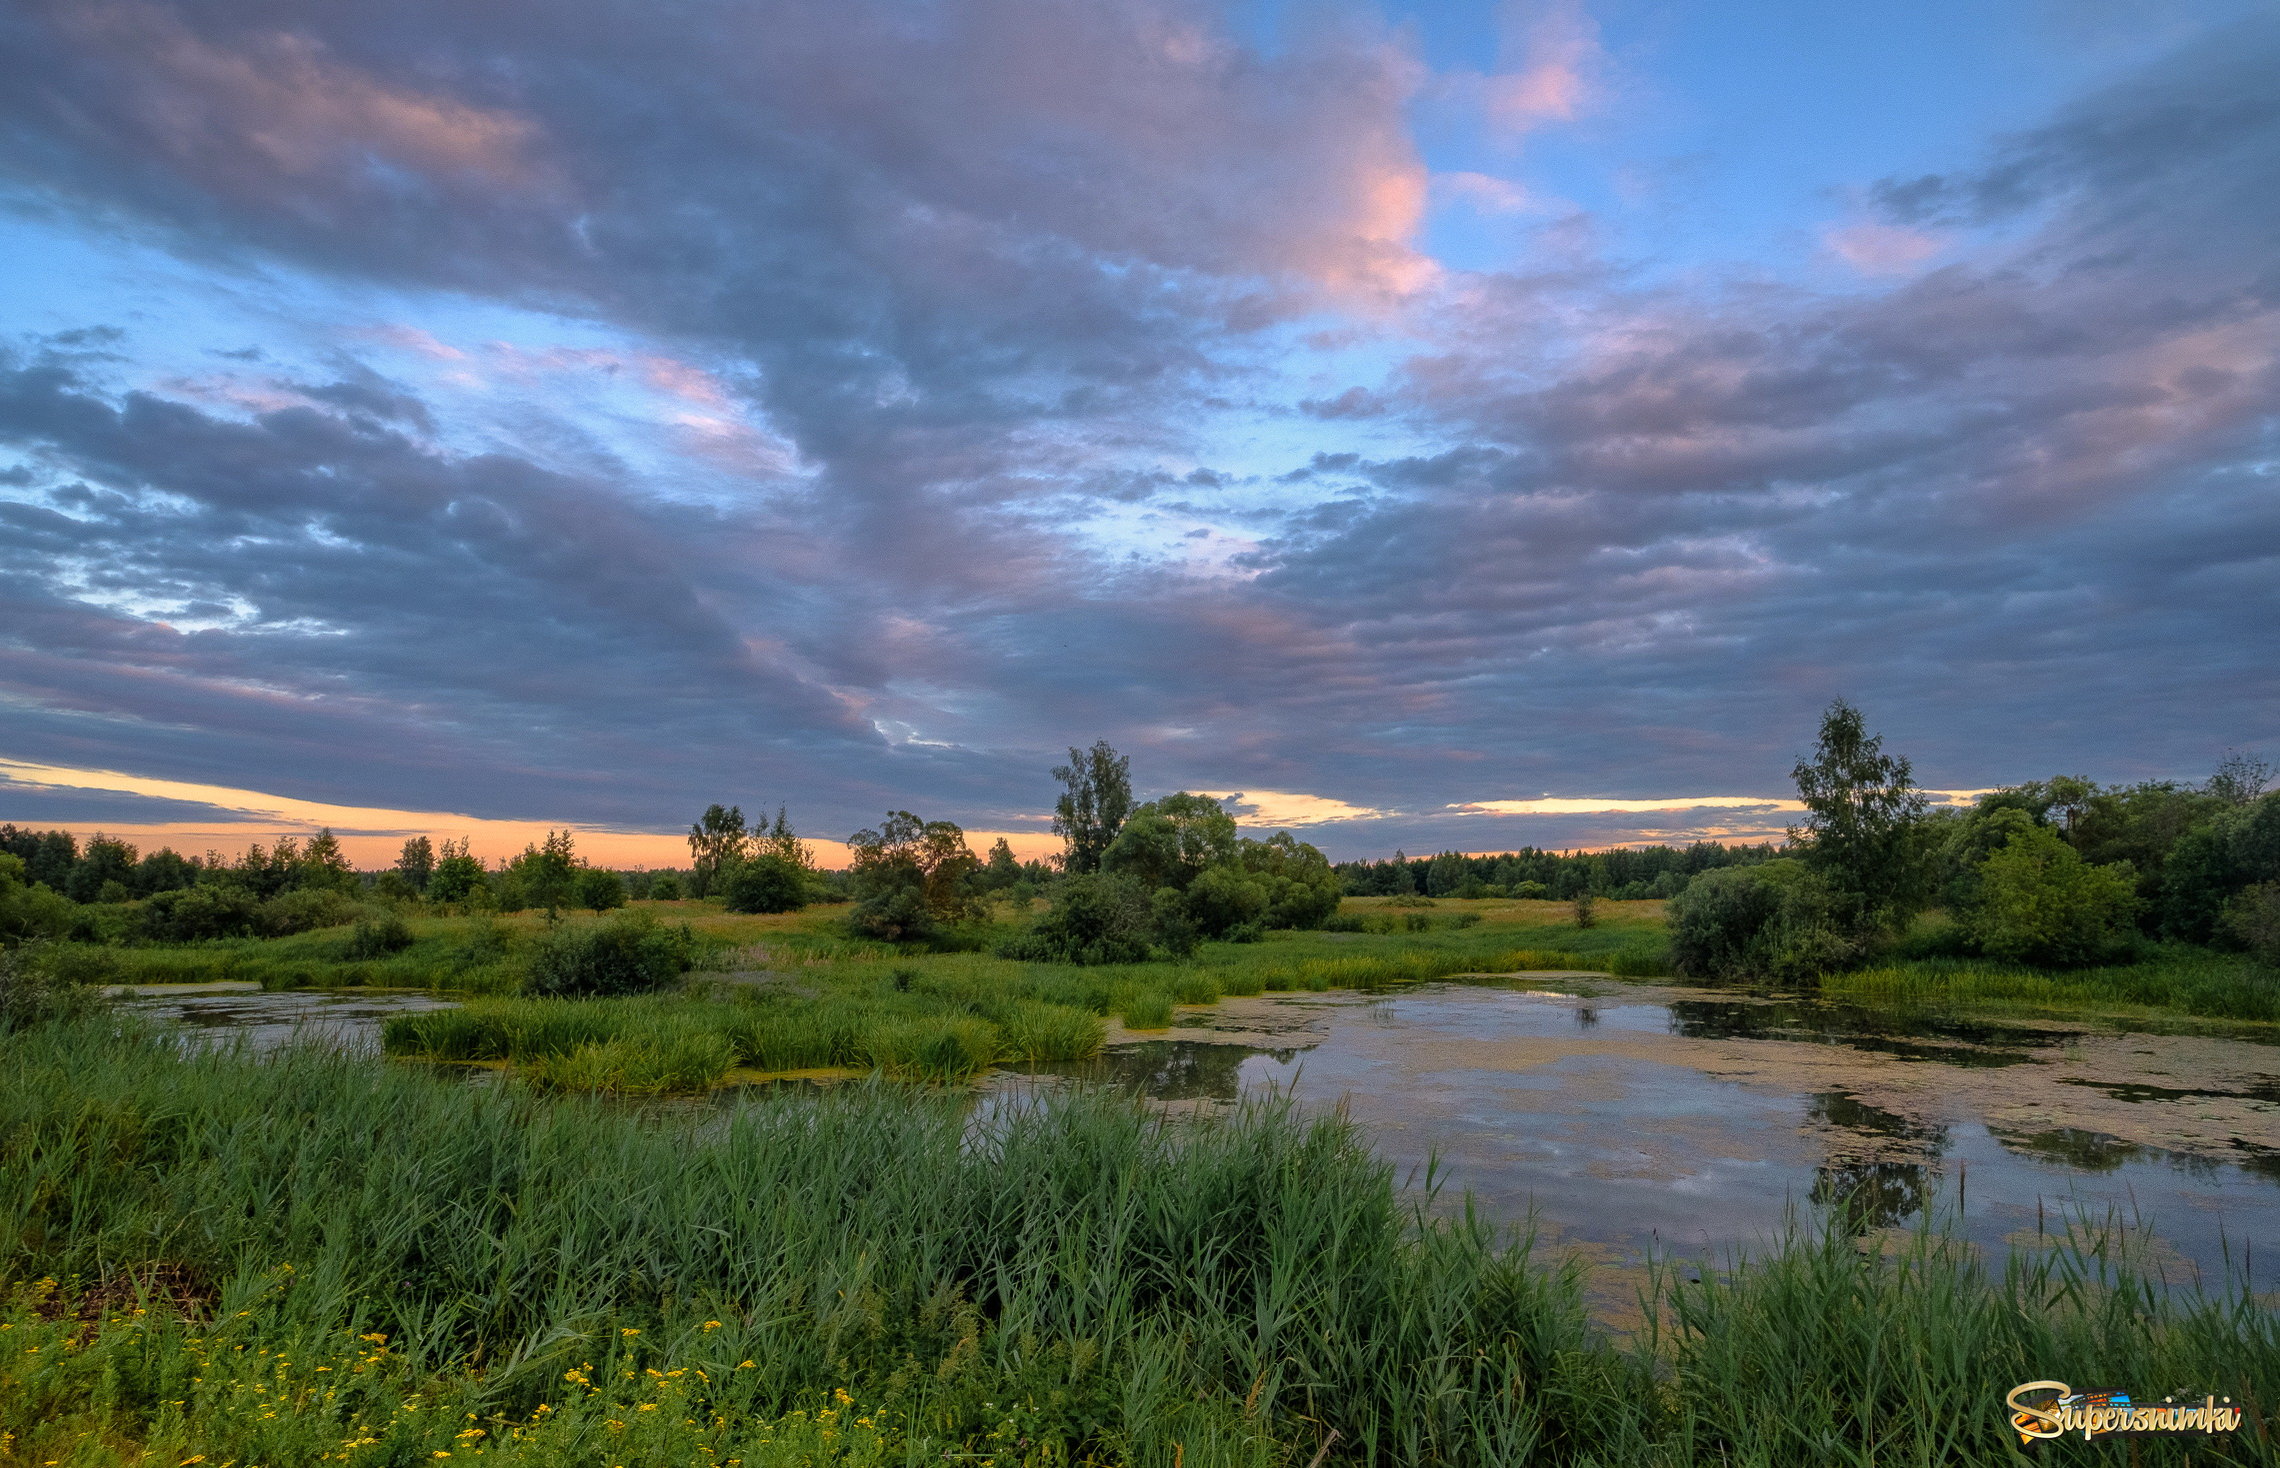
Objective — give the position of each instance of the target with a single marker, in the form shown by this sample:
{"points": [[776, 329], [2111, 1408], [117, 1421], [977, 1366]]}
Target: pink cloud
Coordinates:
{"points": [[1557, 47], [1882, 249]]}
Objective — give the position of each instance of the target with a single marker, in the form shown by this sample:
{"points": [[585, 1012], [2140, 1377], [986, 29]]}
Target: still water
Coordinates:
{"points": [[1629, 1117], [1656, 1118]]}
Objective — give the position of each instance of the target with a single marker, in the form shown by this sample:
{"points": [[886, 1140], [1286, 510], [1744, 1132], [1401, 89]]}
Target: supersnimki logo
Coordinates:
{"points": [[2041, 1409]]}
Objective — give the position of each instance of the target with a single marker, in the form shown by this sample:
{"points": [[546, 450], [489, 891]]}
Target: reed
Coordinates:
{"points": [[316, 1258]]}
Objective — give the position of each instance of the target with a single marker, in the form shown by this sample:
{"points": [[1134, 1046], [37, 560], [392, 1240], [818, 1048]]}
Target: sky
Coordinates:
{"points": [[1436, 426]]}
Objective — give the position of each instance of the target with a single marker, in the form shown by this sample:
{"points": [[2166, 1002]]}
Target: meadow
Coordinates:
{"points": [[416, 1269]]}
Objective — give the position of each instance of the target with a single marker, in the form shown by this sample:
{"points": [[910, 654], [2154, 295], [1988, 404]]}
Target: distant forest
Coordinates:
{"points": [[1622, 873]]}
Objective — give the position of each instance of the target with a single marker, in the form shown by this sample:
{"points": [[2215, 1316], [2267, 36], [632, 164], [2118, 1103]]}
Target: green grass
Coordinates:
{"points": [[2188, 981], [339, 1261]]}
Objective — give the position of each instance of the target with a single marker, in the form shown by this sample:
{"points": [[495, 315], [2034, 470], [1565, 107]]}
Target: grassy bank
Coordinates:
{"points": [[337, 1261], [2180, 981]]}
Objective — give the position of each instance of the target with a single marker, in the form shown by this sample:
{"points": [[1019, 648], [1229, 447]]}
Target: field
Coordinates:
{"points": [[416, 1269]]}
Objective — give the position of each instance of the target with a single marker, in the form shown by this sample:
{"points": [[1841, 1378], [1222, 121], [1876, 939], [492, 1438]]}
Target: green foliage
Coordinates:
{"points": [[1000, 871], [599, 889], [2038, 902], [1051, 1032], [416, 862], [1103, 917], [2212, 862], [2253, 918], [1864, 829], [765, 883], [1144, 1009], [29, 912], [717, 842], [542, 876], [664, 887], [1772, 921], [458, 876], [379, 934], [104, 863], [1096, 797], [1172, 841], [324, 866], [910, 880], [629, 954], [302, 910]]}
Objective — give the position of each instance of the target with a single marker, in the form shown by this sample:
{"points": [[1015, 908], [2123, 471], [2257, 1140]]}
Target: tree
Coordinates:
{"points": [[458, 875], [2240, 778], [765, 883], [2040, 902], [416, 863], [1864, 828], [1770, 921], [1096, 796], [783, 843], [1445, 875], [1102, 917], [1001, 870], [717, 842], [2254, 919], [599, 889], [543, 876], [1172, 841], [324, 865], [106, 862], [910, 878]]}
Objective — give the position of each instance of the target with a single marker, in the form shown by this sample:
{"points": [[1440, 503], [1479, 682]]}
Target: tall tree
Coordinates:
{"points": [[717, 842], [416, 863], [1864, 827], [325, 865], [1096, 796]]}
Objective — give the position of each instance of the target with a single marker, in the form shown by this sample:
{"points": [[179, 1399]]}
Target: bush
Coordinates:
{"points": [[194, 914], [304, 911], [30, 911], [599, 889], [1095, 918], [627, 955], [664, 887], [377, 935], [767, 883], [2254, 919], [1770, 921], [2039, 902]]}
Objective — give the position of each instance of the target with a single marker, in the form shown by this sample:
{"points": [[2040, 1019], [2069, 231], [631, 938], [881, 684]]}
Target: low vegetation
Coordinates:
{"points": [[416, 1269]]}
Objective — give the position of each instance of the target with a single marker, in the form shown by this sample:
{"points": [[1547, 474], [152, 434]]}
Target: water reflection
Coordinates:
{"points": [[1888, 1184]]}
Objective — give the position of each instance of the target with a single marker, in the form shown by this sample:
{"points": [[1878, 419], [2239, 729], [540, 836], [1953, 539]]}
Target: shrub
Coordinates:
{"points": [[599, 889], [2039, 902], [627, 955], [305, 910], [1770, 921], [194, 914], [377, 935], [2254, 918], [664, 887], [766, 883], [1096, 918]]}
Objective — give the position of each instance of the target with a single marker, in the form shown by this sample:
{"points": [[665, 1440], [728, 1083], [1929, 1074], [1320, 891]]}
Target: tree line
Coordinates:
{"points": [[2063, 872], [1620, 874]]}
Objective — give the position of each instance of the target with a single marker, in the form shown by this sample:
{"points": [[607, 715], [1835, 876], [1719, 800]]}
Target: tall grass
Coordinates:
{"points": [[378, 1265], [2189, 982]]}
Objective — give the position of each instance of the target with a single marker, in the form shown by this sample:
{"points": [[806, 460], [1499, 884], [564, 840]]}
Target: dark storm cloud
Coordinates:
{"points": [[986, 265]]}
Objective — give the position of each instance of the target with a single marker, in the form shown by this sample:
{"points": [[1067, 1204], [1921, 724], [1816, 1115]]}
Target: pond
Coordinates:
{"points": [[1648, 1117], [1627, 1117]]}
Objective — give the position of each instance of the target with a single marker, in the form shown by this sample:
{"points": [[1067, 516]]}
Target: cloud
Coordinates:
{"points": [[1556, 46], [834, 335], [1286, 808], [1882, 249]]}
